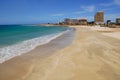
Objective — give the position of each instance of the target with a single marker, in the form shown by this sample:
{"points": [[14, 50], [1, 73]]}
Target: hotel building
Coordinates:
{"points": [[99, 17]]}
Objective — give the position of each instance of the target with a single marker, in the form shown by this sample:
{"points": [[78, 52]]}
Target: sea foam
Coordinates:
{"points": [[12, 51]]}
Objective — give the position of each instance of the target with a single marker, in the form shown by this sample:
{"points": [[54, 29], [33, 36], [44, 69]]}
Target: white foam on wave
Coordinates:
{"points": [[9, 52]]}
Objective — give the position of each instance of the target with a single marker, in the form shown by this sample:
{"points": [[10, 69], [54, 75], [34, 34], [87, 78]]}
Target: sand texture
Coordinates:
{"points": [[113, 34], [91, 56]]}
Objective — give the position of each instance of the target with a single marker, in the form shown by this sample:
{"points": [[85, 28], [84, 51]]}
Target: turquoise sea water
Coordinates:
{"points": [[18, 39]]}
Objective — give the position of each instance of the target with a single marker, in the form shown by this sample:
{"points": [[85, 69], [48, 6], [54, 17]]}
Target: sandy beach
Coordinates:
{"points": [[92, 55]]}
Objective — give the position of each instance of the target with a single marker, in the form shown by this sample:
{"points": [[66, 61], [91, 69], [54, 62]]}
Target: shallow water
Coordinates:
{"points": [[18, 39]]}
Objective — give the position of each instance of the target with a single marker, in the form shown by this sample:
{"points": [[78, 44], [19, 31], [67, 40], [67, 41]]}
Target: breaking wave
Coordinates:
{"points": [[12, 51]]}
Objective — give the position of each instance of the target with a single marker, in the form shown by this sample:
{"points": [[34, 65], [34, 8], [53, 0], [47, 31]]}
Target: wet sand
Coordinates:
{"points": [[91, 56]]}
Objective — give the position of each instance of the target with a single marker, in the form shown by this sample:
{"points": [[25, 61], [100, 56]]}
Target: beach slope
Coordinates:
{"points": [[91, 56]]}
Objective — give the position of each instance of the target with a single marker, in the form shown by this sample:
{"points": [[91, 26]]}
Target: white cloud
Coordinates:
{"points": [[88, 8], [54, 15], [114, 2], [106, 9], [107, 4], [117, 2], [79, 12]]}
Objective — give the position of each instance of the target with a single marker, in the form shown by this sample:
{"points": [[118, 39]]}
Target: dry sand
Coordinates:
{"points": [[113, 34], [91, 56]]}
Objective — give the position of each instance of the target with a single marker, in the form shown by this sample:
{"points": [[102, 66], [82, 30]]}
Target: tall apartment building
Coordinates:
{"points": [[99, 17]]}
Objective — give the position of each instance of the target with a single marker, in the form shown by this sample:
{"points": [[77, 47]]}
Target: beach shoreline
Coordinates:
{"points": [[20, 66], [90, 56]]}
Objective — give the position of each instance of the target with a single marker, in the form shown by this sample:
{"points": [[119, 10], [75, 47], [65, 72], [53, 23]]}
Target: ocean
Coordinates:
{"points": [[19, 39]]}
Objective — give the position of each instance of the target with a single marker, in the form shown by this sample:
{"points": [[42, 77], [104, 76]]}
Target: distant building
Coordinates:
{"points": [[99, 17], [75, 21], [60, 23], [90, 23], [118, 21], [71, 21], [67, 21], [108, 22], [82, 21]]}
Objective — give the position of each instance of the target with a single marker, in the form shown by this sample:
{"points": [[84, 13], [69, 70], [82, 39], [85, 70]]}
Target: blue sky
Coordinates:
{"points": [[43, 11]]}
